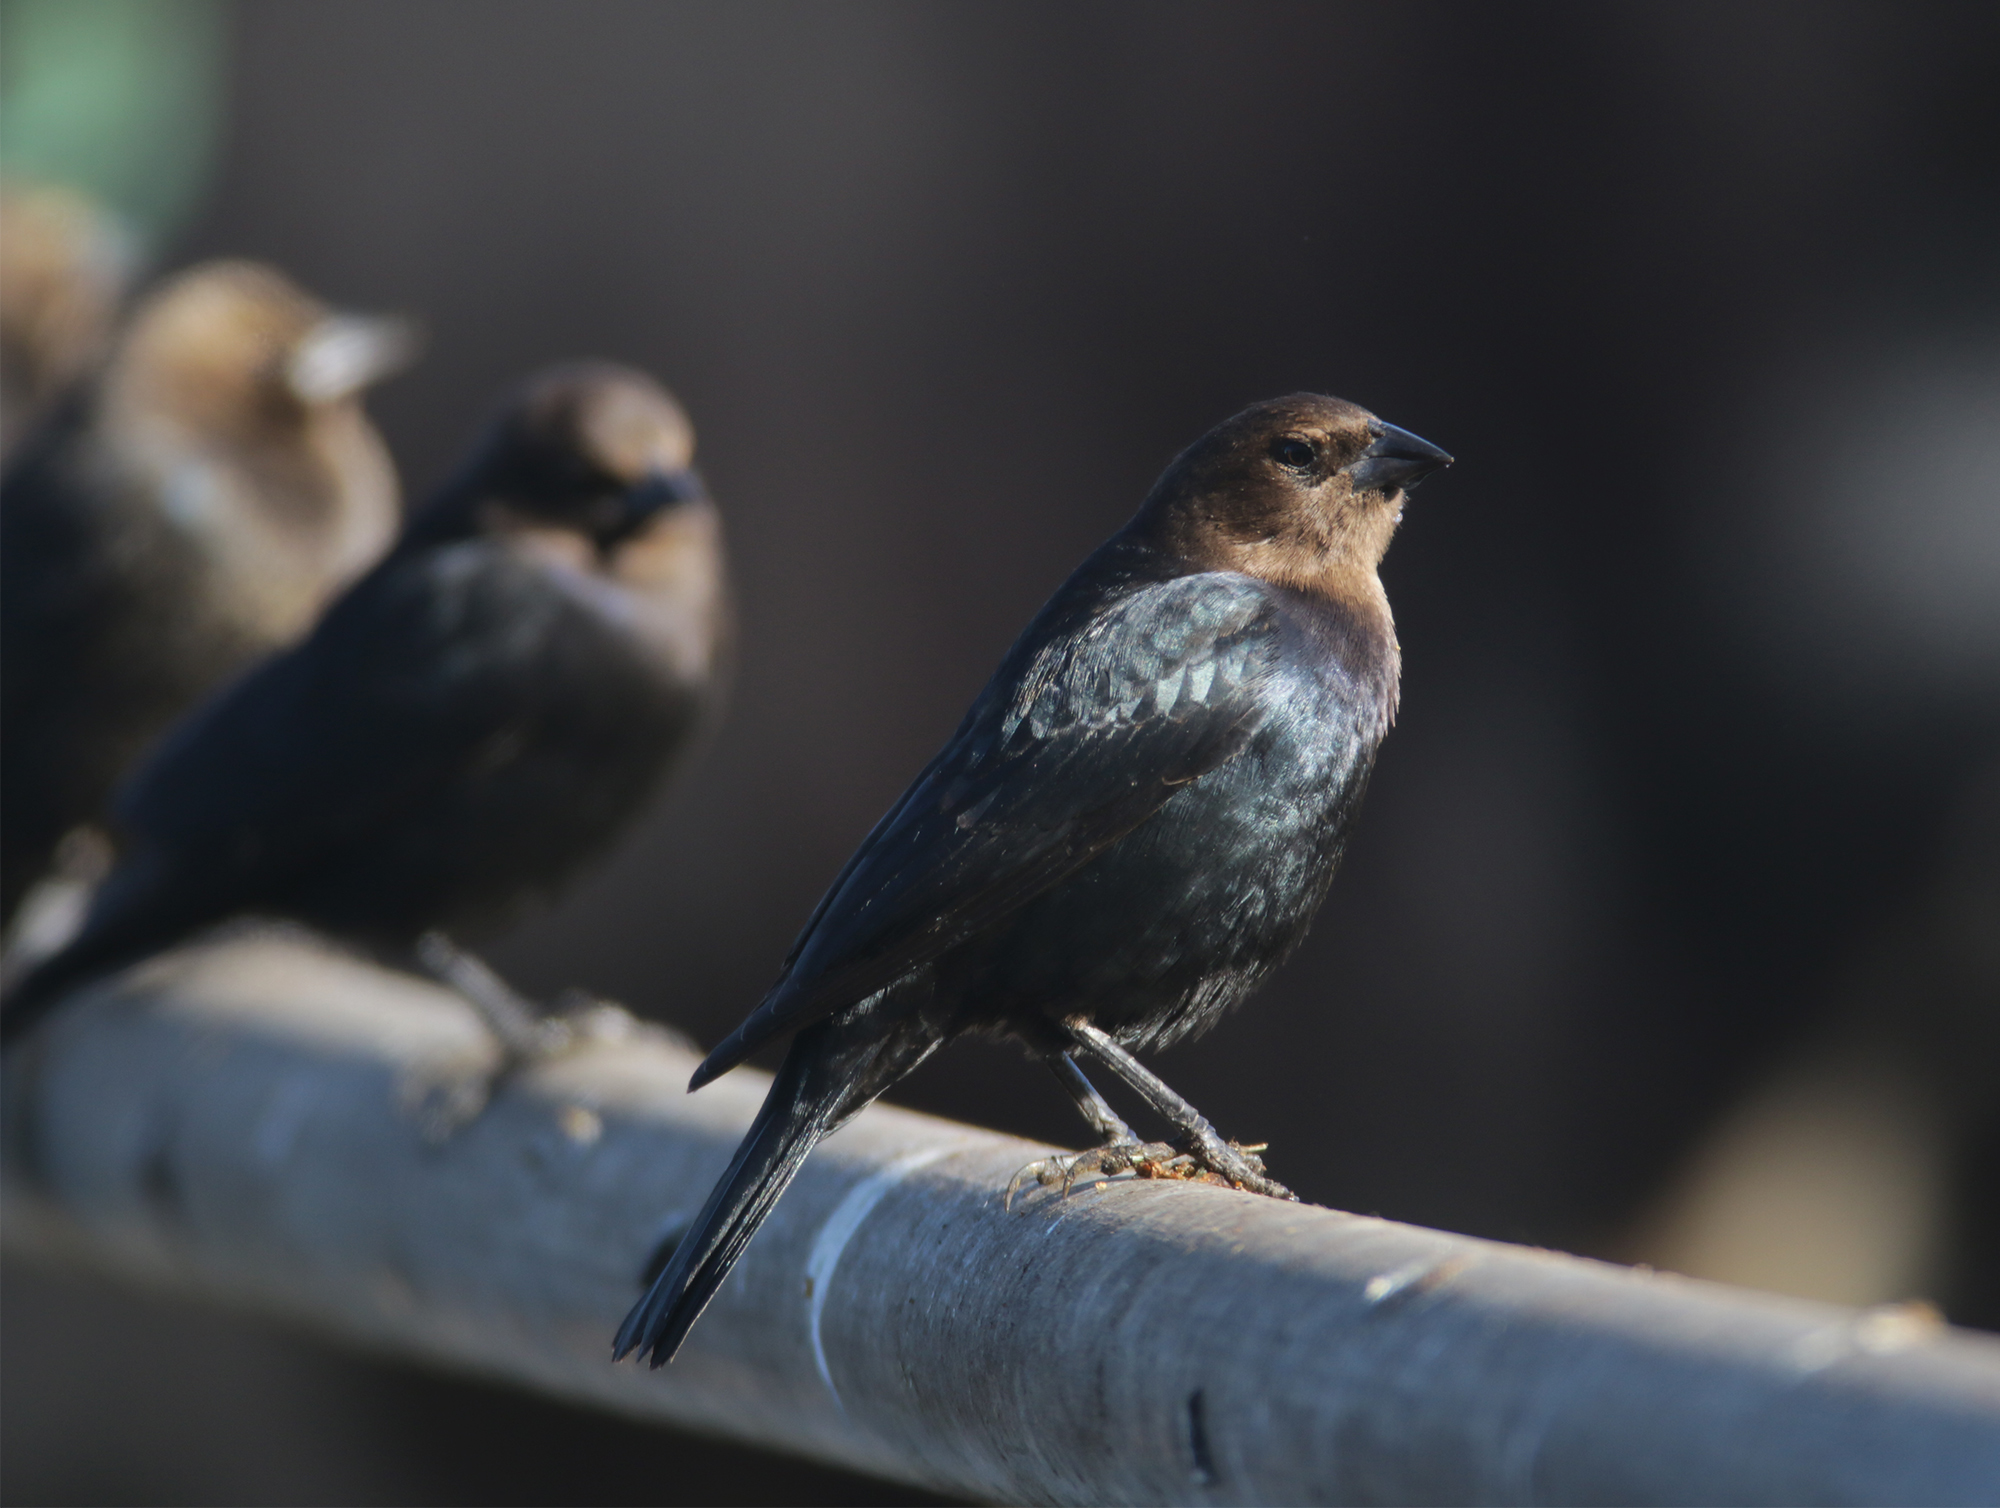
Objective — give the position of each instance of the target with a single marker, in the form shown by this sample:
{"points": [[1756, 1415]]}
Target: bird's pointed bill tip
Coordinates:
{"points": [[1395, 459]]}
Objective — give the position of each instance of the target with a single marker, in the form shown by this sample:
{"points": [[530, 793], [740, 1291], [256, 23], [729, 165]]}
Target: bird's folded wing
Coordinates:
{"points": [[1061, 756], [410, 680]]}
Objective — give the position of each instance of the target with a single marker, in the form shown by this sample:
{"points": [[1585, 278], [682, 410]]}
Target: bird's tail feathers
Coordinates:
{"points": [[805, 1103]]}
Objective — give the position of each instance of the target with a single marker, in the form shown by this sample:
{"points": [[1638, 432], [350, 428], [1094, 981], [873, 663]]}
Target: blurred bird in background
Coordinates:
{"points": [[192, 508], [65, 264], [475, 719], [1131, 828]]}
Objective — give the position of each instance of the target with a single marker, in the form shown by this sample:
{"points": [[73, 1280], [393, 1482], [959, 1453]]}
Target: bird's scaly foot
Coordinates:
{"points": [[1113, 1158], [1227, 1164]]}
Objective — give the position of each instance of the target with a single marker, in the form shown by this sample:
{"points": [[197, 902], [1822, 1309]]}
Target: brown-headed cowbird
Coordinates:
{"points": [[65, 263], [1132, 826], [192, 508], [473, 720]]}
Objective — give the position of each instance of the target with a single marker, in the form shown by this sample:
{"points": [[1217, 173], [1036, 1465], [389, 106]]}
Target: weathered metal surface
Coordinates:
{"points": [[257, 1120]]}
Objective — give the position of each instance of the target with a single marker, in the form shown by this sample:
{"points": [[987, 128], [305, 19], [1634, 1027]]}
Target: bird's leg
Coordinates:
{"points": [[1095, 1108], [526, 1035], [1121, 1152], [1240, 1165]]}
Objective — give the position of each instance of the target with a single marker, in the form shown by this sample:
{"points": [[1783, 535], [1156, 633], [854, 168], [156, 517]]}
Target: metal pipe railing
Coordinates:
{"points": [[269, 1123]]}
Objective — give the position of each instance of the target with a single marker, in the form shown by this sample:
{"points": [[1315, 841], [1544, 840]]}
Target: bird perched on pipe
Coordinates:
{"points": [[470, 723], [194, 507], [1131, 828]]}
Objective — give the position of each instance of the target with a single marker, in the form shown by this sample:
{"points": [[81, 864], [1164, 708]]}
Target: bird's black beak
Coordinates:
{"points": [[1396, 459], [658, 491], [655, 493]]}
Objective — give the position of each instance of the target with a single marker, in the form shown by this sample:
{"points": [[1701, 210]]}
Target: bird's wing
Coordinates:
{"points": [[410, 679], [1061, 756]]}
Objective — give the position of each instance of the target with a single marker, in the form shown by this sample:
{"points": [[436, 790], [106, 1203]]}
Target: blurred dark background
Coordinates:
{"points": [[1671, 930]]}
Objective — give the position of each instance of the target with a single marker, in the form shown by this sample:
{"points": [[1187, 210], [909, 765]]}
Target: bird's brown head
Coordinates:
{"points": [[238, 354], [599, 452], [232, 398], [1304, 491], [588, 468]]}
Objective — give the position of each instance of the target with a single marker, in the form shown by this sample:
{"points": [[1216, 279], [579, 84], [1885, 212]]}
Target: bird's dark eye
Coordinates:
{"points": [[1299, 455]]}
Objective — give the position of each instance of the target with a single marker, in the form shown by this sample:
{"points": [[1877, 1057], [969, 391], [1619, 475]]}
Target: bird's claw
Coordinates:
{"points": [[1117, 1157], [1227, 1164]]}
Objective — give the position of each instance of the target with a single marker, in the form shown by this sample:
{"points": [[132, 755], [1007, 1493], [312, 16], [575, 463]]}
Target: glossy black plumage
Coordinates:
{"points": [[193, 507], [1132, 826], [470, 723]]}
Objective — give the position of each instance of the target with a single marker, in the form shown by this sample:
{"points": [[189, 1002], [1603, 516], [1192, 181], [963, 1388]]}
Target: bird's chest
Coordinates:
{"points": [[1255, 841]]}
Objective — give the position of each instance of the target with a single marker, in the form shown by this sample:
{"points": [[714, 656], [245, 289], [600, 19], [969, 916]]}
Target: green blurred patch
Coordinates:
{"points": [[120, 98]]}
